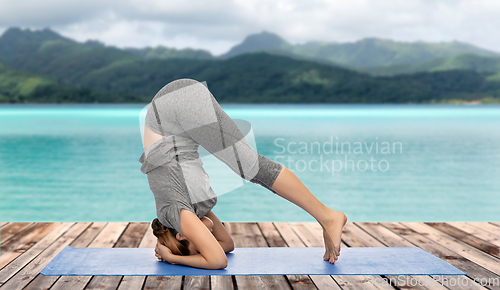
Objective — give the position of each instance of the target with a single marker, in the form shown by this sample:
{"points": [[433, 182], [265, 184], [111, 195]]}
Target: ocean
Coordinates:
{"points": [[378, 163]]}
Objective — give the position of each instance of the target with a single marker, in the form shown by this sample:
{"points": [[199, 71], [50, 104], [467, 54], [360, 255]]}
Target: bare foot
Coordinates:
{"points": [[332, 234]]}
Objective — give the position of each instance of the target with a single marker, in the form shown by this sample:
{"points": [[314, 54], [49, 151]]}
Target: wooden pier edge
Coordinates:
{"points": [[472, 247]]}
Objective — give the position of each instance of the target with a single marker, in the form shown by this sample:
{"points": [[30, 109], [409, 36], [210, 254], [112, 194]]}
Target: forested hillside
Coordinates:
{"points": [[43, 66]]}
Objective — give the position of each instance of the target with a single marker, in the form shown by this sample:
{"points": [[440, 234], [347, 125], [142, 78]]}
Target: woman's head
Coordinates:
{"points": [[175, 241], [169, 238]]}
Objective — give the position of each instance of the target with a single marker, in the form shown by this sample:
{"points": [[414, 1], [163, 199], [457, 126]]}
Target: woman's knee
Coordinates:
{"points": [[267, 172]]}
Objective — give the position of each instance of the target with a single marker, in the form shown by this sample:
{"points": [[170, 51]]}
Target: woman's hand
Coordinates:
{"points": [[157, 254], [163, 253]]}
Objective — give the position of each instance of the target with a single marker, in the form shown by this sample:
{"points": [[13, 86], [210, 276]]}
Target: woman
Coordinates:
{"points": [[182, 116]]}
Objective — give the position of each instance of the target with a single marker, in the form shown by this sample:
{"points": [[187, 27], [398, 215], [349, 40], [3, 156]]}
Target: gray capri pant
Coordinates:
{"points": [[187, 115]]}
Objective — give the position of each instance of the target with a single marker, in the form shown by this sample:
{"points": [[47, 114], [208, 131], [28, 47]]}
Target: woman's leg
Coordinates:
{"points": [[289, 186], [188, 109]]}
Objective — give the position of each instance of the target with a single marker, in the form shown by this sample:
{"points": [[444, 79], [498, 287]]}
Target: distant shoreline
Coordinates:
{"points": [[134, 105]]}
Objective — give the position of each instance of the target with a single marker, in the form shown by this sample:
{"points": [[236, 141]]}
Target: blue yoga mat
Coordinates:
{"points": [[253, 261]]}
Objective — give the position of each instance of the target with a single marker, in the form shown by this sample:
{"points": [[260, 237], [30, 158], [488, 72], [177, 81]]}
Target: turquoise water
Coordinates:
{"points": [[426, 163]]}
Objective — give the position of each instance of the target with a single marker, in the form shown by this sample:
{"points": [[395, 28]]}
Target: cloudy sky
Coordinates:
{"points": [[217, 25]]}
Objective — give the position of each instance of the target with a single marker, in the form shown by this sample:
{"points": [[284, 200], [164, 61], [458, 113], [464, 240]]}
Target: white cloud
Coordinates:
{"points": [[51, 12], [218, 25]]}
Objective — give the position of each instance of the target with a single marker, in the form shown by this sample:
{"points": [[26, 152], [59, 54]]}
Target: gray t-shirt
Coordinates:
{"points": [[177, 184], [175, 173]]}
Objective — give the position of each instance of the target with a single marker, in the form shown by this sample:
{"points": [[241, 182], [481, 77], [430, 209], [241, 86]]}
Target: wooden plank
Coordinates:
{"points": [[11, 230], [109, 235], [390, 239], [15, 240], [292, 240], [130, 238], [106, 238], [311, 235], [136, 282], [473, 270], [274, 239], [469, 252], [221, 282], [14, 247], [472, 230], [384, 237], [249, 235], [460, 251], [237, 234], [492, 229], [13, 267], [67, 282], [163, 282], [32, 269], [197, 282], [103, 282], [466, 238], [132, 282], [89, 235], [152, 282], [355, 235], [348, 236], [148, 240], [133, 235], [45, 282]]}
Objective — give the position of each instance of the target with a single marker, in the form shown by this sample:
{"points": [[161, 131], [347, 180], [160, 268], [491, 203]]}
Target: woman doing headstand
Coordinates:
{"points": [[182, 116]]}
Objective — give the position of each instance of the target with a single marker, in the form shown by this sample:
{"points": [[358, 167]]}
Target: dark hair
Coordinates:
{"points": [[166, 236]]}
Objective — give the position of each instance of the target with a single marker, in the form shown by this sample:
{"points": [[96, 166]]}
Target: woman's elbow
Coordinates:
{"points": [[229, 247], [222, 265], [219, 265]]}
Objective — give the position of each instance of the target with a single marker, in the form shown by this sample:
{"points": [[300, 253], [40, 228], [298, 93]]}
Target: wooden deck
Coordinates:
{"points": [[471, 247]]}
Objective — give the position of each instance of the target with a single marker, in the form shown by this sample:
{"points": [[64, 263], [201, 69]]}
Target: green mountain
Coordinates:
{"points": [[465, 61], [376, 52], [16, 86], [46, 52], [262, 77], [116, 75], [365, 53], [23, 87], [161, 52], [272, 44], [29, 50], [264, 41]]}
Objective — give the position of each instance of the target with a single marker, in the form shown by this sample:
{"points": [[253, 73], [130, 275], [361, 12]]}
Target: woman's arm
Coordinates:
{"points": [[197, 261], [211, 255], [220, 233]]}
